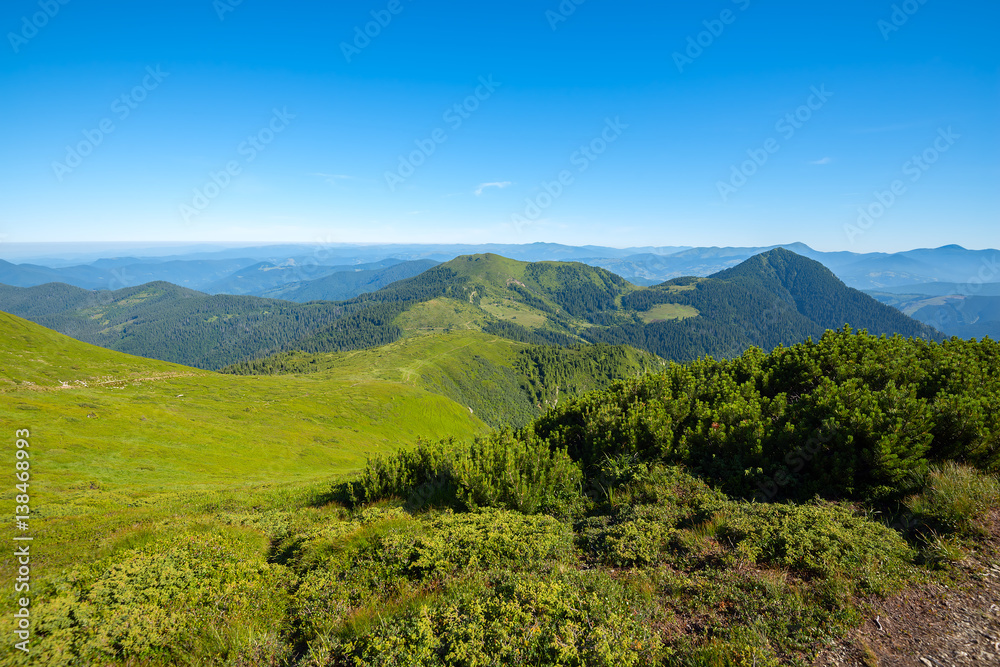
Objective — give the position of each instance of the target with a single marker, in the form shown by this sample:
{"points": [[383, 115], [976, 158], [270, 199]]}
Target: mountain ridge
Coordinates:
{"points": [[774, 298]]}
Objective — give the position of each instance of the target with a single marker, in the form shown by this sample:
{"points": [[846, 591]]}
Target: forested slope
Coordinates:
{"points": [[164, 321]]}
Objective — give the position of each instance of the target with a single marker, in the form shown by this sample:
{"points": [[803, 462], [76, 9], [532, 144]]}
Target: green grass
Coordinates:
{"points": [[205, 431], [132, 441], [668, 311], [503, 382], [957, 498], [438, 315], [187, 517], [410, 359], [509, 309]]}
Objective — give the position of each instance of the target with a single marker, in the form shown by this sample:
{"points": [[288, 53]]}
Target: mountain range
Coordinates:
{"points": [[226, 271], [773, 298]]}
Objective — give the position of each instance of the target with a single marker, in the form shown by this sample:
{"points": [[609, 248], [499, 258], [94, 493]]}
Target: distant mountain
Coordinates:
{"points": [[55, 254], [121, 272], [259, 278], [27, 275], [209, 270], [975, 288], [955, 312], [347, 284], [773, 298], [862, 271], [195, 274], [654, 268]]}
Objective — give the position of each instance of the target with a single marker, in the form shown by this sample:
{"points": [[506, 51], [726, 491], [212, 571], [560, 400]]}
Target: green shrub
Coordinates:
{"points": [[350, 567], [692, 499], [634, 537], [825, 540], [498, 470], [506, 619], [851, 416], [646, 512], [197, 597]]}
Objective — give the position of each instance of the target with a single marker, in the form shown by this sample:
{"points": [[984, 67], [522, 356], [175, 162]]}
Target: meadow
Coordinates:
{"points": [[342, 510]]}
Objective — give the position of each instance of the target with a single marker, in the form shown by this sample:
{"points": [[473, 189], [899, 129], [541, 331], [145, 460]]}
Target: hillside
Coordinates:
{"points": [[737, 513], [119, 410], [164, 321], [503, 382], [771, 299], [349, 282]]}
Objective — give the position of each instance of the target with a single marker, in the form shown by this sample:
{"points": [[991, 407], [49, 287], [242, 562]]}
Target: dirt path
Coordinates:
{"points": [[77, 384], [933, 625]]}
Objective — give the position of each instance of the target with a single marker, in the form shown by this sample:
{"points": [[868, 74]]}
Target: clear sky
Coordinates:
{"points": [[617, 123]]}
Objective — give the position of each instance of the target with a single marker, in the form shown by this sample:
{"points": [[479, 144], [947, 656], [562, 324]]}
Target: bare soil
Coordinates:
{"points": [[934, 624]]}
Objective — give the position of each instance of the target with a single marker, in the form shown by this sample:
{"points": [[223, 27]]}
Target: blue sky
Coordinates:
{"points": [[622, 124]]}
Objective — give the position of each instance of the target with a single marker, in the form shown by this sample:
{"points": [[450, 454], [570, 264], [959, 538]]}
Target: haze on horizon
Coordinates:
{"points": [[858, 126]]}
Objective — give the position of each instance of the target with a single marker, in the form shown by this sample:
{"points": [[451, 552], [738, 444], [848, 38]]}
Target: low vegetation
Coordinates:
{"points": [[732, 513]]}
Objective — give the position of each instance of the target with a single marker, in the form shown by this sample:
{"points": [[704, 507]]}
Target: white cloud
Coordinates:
{"points": [[498, 184], [825, 160]]}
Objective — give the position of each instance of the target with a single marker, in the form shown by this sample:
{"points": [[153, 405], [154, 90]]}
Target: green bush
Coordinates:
{"points": [[851, 416], [646, 512], [826, 540], [693, 500], [498, 470], [506, 619], [197, 597], [352, 566]]}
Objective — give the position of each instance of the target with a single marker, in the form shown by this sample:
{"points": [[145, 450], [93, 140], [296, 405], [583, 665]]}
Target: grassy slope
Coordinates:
{"points": [[496, 378], [467, 367], [196, 427], [147, 448]]}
